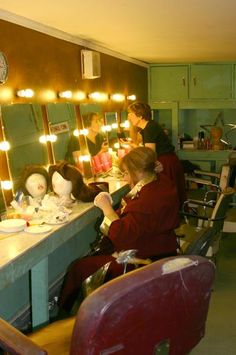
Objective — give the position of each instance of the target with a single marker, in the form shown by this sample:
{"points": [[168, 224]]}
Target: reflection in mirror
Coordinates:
{"points": [[112, 126], [23, 125], [92, 120], [62, 123], [96, 138], [164, 118], [2, 203]]}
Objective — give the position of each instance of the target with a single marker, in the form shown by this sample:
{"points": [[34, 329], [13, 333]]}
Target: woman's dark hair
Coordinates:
{"points": [[69, 172], [139, 159], [26, 172], [87, 119], [141, 110]]}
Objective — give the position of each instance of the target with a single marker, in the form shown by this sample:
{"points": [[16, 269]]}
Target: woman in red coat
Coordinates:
{"points": [[145, 222]]}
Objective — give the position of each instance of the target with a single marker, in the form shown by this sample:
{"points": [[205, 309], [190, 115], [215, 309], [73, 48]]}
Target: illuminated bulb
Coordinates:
{"points": [[5, 145], [25, 93], [125, 124], [6, 185], [118, 97], [65, 94], [117, 145], [98, 96], [43, 139], [76, 132], [110, 150], [80, 95], [52, 138], [84, 131], [84, 158], [6, 94], [48, 95], [106, 128], [49, 138], [114, 125], [131, 97]]}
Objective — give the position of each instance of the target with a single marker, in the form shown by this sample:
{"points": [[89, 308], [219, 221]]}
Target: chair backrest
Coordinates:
{"points": [[133, 314], [220, 210]]}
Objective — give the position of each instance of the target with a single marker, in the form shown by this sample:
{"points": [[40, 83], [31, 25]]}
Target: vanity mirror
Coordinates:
{"points": [[62, 123], [23, 126], [2, 203]]}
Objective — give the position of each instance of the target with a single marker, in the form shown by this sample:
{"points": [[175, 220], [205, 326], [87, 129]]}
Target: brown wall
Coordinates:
{"points": [[41, 62]]}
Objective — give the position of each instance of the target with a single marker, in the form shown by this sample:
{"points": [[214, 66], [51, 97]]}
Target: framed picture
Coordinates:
{"points": [[58, 128]]}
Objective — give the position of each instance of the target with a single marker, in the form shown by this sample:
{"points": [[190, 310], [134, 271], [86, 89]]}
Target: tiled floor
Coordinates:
{"points": [[220, 337]]}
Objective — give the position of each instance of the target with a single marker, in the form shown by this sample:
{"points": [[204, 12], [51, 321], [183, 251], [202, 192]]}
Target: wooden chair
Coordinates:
{"points": [[160, 308]]}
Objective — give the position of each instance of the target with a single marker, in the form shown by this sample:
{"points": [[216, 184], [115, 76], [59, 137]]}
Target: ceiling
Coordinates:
{"points": [[151, 31]]}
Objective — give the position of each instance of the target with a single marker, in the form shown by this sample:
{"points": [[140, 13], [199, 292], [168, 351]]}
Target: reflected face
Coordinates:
{"points": [[96, 124], [36, 185], [61, 186]]}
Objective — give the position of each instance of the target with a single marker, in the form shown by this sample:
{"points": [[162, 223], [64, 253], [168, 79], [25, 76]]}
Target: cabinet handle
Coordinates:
{"points": [[183, 81], [194, 81]]}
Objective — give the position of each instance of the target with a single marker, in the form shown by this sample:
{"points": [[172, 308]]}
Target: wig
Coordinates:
{"points": [[27, 171]]}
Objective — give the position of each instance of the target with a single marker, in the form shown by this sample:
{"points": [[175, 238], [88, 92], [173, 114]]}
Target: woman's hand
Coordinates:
{"points": [[103, 200]]}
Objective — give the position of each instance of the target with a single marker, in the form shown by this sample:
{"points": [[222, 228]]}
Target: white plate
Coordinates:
{"points": [[38, 229], [12, 225]]}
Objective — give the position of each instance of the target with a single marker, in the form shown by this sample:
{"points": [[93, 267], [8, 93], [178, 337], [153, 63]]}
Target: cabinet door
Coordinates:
{"points": [[210, 81], [168, 83]]}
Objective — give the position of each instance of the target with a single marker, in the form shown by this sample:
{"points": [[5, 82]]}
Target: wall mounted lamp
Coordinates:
{"points": [[48, 138], [4, 146], [117, 97], [25, 93], [131, 97], [98, 96], [65, 94]]}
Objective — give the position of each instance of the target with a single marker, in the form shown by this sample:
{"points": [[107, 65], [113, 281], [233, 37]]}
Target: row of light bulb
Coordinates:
{"points": [[81, 95], [5, 145]]}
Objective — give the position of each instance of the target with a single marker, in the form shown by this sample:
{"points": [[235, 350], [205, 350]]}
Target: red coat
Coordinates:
{"points": [[148, 221], [146, 224]]}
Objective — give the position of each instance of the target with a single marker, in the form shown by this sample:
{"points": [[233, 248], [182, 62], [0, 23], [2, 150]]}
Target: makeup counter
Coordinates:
{"points": [[31, 263]]}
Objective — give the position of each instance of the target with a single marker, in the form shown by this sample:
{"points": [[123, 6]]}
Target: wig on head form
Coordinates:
{"points": [[26, 172], [69, 172]]}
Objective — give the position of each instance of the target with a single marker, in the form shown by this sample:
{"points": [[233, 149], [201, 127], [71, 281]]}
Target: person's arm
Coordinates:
{"points": [[104, 202]]}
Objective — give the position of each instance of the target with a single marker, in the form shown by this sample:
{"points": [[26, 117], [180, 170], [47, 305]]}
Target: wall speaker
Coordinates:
{"points": [[90, 64]]}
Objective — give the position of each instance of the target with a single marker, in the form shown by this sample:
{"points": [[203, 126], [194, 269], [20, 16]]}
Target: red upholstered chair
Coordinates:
{"points": [[162, 306]]}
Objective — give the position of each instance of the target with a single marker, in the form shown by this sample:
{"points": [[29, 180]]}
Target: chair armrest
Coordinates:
{"points": [[210, 203], [207, 173], [15, 342], [201, 181], [205, 218]]}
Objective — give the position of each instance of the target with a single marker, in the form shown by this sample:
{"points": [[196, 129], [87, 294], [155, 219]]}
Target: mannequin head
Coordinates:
{"points": [[36, 185], [33, 181], [70, 180], [61, 186]]}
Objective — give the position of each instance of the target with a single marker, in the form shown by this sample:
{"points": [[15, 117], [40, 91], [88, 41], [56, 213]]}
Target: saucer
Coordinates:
{"points": [[12, 225]]}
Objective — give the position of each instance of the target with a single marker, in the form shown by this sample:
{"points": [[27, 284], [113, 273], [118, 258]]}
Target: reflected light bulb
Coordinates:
{"points": [[4, 145], [6, 185]]}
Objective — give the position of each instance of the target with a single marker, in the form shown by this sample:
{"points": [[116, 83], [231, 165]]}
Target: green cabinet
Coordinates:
{"points": [[168, 82], [210, 81]]}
